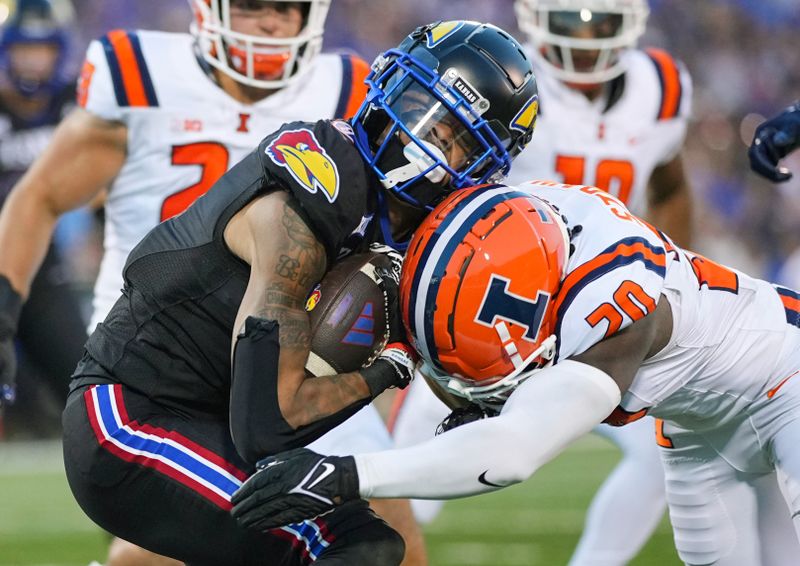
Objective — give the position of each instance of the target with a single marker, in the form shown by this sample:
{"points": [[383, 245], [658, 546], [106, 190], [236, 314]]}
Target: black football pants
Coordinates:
{"points": [[164, 482]]}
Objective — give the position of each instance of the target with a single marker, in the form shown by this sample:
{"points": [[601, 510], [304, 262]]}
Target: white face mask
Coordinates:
{"points": [[559, 51], [257, 61]]}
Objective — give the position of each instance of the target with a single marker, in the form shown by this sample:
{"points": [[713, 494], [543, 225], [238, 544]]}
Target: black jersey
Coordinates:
{"points": [[24, 138], [169, 335]]}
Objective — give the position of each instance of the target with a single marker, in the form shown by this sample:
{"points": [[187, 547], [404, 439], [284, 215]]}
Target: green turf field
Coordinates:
{"points": [[536, 523]]}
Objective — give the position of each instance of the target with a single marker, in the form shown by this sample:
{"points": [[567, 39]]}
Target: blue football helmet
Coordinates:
{"points": [[37, 22], [449, 108]]}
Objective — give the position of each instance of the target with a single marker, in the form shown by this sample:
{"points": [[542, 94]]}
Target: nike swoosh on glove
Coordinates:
{"points": [[294, 486]]}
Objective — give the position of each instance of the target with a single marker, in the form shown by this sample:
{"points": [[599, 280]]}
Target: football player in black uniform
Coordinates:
{"points": [[198, 371], [35, 93]]}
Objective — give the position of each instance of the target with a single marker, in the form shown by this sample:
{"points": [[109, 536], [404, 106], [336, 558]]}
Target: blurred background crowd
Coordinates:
{"points": [[742, 55]]}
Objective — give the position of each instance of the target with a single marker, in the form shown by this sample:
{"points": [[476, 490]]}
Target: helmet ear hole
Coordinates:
{"points": [[503, 134]]}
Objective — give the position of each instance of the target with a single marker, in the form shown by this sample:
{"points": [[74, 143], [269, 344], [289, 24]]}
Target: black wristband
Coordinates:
{"points": [[380, 376], [349, 480], [10, 308]]}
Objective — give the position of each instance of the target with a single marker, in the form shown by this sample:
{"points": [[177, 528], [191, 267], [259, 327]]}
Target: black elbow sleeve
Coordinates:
{"points": [[258, 428]]}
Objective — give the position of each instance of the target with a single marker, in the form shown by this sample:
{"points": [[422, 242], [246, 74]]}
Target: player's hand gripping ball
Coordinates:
{"points": [[348, 315]]}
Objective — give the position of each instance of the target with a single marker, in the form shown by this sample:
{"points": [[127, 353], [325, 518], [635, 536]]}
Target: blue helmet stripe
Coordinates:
{"points": [[435, 258]]}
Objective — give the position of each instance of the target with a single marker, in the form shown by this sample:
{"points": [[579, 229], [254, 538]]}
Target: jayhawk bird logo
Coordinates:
{"points": [[301, 154]]}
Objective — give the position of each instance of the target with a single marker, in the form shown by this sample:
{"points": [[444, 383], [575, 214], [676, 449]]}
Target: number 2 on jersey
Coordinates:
{"points": [[212, 157], [610, 174]]}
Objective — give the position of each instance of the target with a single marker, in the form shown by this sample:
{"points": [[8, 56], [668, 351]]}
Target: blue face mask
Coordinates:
{"points": [[420, 134]]}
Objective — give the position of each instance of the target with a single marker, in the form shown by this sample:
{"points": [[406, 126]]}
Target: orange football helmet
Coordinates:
{"points": [[477, 291]]}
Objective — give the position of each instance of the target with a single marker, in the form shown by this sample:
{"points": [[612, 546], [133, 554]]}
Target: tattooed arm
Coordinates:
{"points": [[285, 259]]}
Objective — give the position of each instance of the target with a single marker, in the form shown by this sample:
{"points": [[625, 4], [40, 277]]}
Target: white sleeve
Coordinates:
{"points": [[673, 132], [99, 98], [545, 414]]}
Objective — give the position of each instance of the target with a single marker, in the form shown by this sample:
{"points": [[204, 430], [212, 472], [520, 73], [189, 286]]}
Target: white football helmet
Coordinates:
{"points": [[258, 61], [551, 26]]}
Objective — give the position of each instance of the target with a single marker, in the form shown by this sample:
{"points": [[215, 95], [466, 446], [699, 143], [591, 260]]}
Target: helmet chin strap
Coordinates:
{"points": [[508, 345], [418, 162], [493, 395]]}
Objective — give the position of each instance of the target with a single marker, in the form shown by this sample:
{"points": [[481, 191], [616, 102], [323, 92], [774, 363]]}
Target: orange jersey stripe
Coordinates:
{"points": [[790, 302], [358, 90], [623, 249], [671, 79], [129, 68], [668, 247]]}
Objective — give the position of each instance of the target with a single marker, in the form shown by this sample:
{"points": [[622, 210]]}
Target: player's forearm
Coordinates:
{"points": [[325, 396], [304, 401], [26, 228], [262, 425], [669, 201], [674, 217], [544, 415]]}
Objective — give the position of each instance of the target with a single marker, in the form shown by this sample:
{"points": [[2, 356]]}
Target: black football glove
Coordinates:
{"points": [[395, 257], [294, 486], [774, 140], [10, 307], [390, 284], [394, 366], [462, 416]]}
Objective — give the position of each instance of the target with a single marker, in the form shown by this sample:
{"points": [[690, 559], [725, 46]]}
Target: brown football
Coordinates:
{"points": [[348, 316]]}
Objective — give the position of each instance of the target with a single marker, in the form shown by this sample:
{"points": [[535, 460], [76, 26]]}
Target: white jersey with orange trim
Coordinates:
{"points": [[184, 131], [616, 141], [734, 337]]}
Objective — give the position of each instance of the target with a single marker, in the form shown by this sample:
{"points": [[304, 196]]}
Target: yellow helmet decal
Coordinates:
{"points": [[441, 31], [526, 118]]}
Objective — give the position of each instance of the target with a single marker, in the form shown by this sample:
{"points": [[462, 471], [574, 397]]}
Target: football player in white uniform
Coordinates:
{"points": [[162, 117], [614, 117], [555, 312]]}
